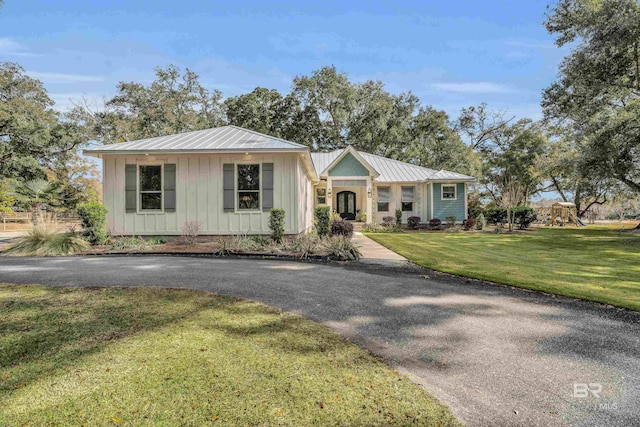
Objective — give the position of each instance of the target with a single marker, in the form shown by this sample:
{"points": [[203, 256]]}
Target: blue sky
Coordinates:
{"points": [[451, 54]]}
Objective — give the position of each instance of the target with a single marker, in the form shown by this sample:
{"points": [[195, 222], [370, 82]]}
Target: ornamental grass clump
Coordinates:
{"points": [[43, 242]]}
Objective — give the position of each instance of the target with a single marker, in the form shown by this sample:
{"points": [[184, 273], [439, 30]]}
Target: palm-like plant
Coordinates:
{"points": [[36, 193]]}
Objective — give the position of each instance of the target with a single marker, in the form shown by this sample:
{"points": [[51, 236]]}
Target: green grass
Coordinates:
{"points": [[162, 357], [595, 263]]}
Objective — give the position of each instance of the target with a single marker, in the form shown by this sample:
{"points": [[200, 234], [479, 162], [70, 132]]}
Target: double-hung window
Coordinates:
{"points": [[150, 187], [248, 187], [384, 197], [449, 192], [407, 199]]}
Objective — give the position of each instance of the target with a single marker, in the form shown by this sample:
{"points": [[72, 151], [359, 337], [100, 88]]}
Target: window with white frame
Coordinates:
{"points": [[449, 192], [407, 198], [321, 196], [150, 187], [384, 197], [248, 187]]}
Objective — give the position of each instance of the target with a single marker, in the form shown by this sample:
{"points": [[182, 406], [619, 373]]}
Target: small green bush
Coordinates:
{"points": [[305, 245], [480, 222], [276, 224], [388, 220], [524, 216], [322, 219], [451, 220], [94, 222], [398, 217], [342, 248], [470, 224], [413, 221], [340, 227], [379, 228], [42, 242], [130, 242]]}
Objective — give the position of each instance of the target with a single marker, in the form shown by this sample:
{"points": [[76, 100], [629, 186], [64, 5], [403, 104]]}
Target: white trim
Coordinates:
{"points": [[455, 191], [373, 173], [237, 187], [139, 209], [466, 202], [431, 201]]}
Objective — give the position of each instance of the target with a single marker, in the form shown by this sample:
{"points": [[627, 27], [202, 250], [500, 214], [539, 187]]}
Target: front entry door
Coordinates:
{"points": [[347, 204]]}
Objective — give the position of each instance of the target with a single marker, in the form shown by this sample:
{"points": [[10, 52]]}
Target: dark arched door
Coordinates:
{"points": [[346, 203]]}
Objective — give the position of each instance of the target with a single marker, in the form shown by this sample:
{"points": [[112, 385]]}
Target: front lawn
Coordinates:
{"points": [[118, 356], [597, 263]]}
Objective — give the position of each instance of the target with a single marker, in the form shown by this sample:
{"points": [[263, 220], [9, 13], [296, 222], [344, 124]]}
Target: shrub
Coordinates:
{"points": [[377, 228], [413, 221], [496, 215], [235, 244], [261, 241], [322, 219], [524, 216], [305, 245], [388, 220], [340, 227], [470, 224], [190, 231], [342, 248], [130, 242], [362, 217], [94, 222], [276, 224], [435, 222], [42, 242], [451, 220], [480, 222], [398, 217]]}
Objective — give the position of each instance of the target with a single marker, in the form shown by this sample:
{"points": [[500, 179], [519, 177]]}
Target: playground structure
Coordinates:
{"points": [[560, 213]]}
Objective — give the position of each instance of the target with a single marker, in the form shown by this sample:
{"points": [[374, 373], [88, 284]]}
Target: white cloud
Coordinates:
{"points": [[10, 47], [64, 78], [473, 87]]}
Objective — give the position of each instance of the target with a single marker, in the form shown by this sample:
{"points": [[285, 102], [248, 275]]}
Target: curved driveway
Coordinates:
{"points": [[496, 355]]}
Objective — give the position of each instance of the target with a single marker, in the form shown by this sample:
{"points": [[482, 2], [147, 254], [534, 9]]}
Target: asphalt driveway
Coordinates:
{"points": [[496, 355]]}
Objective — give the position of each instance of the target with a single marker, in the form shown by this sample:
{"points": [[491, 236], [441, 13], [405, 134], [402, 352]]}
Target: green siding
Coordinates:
{"points": [[349, 166], [444, 208]]}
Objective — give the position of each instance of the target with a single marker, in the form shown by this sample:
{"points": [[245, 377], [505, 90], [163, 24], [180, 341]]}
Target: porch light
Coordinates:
{"points": [[329, 191], [369, 192]]}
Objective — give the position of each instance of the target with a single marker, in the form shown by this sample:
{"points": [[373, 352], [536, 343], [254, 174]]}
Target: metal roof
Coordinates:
{"points": [[390, 170], [234, 138], [225, 138]]}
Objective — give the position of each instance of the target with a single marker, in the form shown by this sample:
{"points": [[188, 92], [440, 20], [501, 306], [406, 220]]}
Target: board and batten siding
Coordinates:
{"points": [[349, 166], [444, 208], [420, 204], [199, 195]]}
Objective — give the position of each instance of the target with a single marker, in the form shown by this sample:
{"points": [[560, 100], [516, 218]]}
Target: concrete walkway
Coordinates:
{"points": [[375, 253]]}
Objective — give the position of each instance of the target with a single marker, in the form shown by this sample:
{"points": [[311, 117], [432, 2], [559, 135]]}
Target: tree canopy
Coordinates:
{"points": [[598, 90]]}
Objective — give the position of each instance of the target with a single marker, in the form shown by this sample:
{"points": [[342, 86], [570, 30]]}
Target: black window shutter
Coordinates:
{"points": [[170, 187], [130, 187], [267, 186], [228, 179]]}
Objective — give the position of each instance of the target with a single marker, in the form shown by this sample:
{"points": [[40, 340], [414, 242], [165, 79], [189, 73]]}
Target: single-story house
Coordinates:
{"points": [[228, 178]]}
